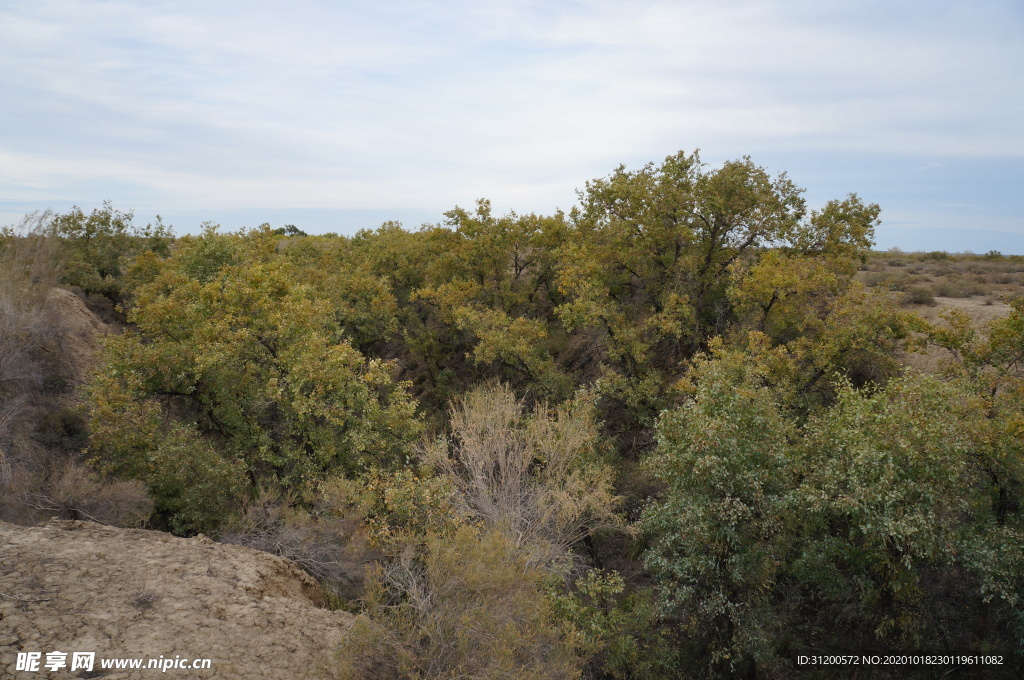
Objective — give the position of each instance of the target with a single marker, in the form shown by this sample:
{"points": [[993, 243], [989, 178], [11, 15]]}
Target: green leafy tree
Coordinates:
{"points": [[719, 534], [95, 246], [782, 529], [886, 491], [256, 363], [492, 287], [662, 259]]}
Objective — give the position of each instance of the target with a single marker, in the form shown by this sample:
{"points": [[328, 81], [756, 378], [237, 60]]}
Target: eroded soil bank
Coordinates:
{"points": [[129, 593]]}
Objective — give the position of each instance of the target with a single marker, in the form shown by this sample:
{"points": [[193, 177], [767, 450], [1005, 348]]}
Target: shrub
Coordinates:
{"points": [[621, 633], [948, 289], [76, 493], [535, 478], [40, 432], [872, 279], [330, 544], [402, 503], [464, 606], [919, 295]]}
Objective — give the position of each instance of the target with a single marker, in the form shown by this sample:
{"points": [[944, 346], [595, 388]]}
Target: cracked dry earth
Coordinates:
{"points": [[127, 593]]}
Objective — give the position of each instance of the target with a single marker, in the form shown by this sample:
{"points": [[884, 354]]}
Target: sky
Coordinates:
{"points": [[337, 116]]}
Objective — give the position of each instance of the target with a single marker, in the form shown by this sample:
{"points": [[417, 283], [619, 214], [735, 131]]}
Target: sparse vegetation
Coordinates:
{"points": [[954, 275], [464, 605]]}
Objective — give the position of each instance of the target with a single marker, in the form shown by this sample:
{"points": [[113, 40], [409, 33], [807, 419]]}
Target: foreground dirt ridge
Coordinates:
{"points": [[129, 593]]}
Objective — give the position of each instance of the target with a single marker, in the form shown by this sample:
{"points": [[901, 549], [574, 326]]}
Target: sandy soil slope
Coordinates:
{"points": [[79, 586], [81, 331]]}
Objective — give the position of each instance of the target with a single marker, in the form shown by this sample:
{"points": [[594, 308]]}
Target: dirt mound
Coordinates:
{"points": [[80, 331], [135, 594]]}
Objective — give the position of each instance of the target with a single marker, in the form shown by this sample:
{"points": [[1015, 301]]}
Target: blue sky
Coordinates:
{"points": [[336, 116]]}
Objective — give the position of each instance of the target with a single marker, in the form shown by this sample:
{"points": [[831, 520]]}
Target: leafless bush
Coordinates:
{"points": [[535, 478], [74, 492], [460, 606], [333, 550], [40, 435], [30, 335]]}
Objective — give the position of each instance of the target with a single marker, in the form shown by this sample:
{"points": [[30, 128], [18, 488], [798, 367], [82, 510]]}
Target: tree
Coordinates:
{"points": [[245, 358], [852, 524], [662, 259], [95, 246], [492, 285], [719, 538]]}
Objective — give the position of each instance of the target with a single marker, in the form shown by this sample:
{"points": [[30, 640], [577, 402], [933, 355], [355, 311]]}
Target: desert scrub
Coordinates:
{"points": [[535, 477], [919, 295], [463, 606], [327, 539]]}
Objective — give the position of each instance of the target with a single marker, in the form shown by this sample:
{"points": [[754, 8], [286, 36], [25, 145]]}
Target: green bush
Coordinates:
{"points": [[247, 369], [778, 534], [95, 247], [194, 489]]}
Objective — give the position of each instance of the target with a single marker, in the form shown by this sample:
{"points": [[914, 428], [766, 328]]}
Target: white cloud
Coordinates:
{"points": [[423, 104]]}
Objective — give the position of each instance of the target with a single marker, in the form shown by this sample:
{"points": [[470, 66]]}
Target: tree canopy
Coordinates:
{"points": [[671, 423]]}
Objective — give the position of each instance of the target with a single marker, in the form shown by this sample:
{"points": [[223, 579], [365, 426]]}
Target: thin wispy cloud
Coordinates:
{"points": [[422, 105]]}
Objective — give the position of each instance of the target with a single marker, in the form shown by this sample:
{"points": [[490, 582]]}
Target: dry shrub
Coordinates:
{"points": [[950, 289], [29, 253], [73, 492], [40, 433], [535, 478], [332, 549], [30, 339], [920, 295], [461, 606]]}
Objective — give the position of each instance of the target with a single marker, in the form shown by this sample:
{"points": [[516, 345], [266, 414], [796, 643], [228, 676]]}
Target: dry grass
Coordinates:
{"points": [[40, 441]]}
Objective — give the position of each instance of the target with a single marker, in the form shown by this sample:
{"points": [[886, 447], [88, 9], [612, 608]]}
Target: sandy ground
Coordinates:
{"points": [[975, 307], [981, 315], [79, 586]]}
